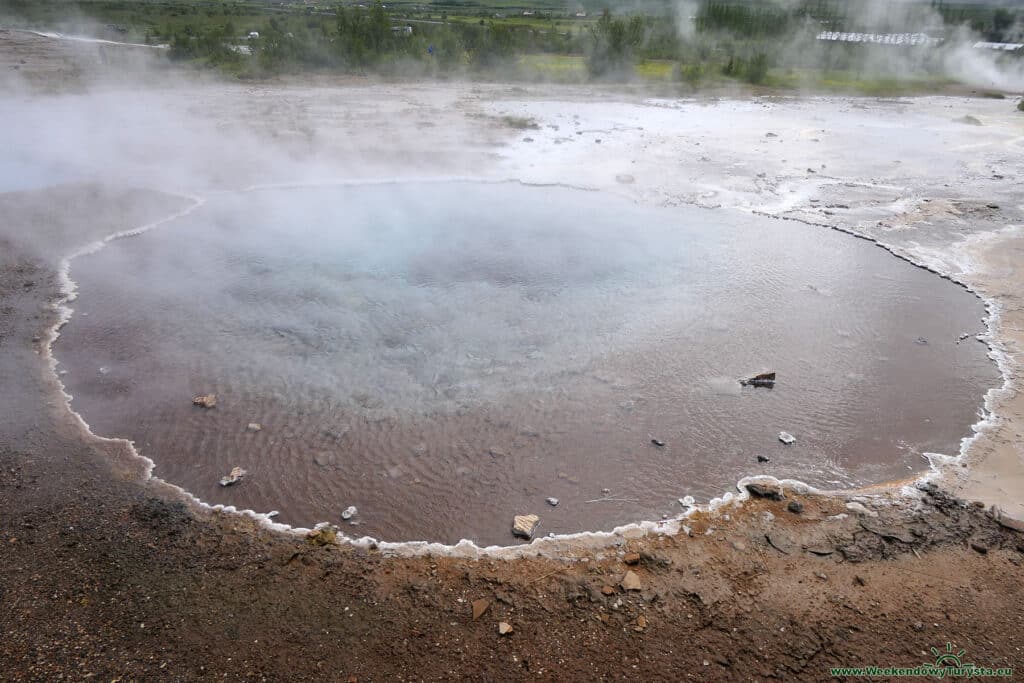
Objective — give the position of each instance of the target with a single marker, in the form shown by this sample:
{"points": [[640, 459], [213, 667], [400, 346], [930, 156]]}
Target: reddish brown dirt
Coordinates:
{"points": [[105, 577]]}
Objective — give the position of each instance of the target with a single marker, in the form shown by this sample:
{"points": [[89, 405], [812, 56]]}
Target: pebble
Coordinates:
{"points": [[479, 607], [787, 438], [504, 628], [795, 506], [203, 401], [524, 526], [553, 502], [631, 582], [236, 475], [768, 490]]}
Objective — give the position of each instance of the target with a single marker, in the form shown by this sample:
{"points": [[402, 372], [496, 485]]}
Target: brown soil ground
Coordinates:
{"points": [[107, 576]]}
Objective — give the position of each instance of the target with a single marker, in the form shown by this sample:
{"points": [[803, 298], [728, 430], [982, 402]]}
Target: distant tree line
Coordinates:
{"points": [[731, 39]]}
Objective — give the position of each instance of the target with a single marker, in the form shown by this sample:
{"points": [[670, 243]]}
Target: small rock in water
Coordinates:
{"points": [[552, 501], [631, 582], [504, 628], [606, 491], [921, 341], [762, 458], [349, 512], [104, 370], [795, 506], [254, 427], [962, 337], [525, 525], [204, 401], [787, 438], [234, 477], [658, 442], [764, 379]]}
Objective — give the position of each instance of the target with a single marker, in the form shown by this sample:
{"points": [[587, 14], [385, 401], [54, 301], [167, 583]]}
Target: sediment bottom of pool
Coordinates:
{"points": [[444, 356]]}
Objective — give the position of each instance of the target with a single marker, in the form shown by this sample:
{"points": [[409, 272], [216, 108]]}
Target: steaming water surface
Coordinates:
{"points": [[444, 356]]}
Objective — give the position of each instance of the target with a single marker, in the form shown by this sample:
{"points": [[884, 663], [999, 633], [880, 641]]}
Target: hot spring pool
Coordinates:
{"points": [[444, 356]]}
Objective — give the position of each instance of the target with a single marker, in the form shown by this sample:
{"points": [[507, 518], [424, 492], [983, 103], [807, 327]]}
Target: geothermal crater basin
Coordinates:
{"points": [[446, 355]]}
